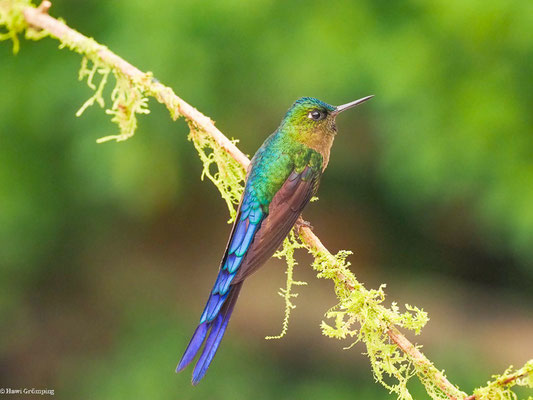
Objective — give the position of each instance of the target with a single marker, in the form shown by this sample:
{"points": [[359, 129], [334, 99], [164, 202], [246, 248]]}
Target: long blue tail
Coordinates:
{"points": [[216, 328]]}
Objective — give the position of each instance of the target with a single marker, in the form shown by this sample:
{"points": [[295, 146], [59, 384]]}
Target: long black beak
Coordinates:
{"points": [[346, 106]]}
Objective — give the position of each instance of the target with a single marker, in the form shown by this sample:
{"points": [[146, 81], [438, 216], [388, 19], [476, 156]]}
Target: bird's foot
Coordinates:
{"points": [[305, 224]]}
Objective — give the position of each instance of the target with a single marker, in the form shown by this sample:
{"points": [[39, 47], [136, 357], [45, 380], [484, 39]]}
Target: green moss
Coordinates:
{"points": [[500, 387], [12, 22], [127, 97], [128, 101], [89, 73], [220, 168], [290, 244]]}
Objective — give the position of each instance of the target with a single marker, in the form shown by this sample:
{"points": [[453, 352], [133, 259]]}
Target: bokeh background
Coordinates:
{"points": [[107, 251]]}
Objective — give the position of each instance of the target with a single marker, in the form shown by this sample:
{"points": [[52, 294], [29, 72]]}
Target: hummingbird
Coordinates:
{"points": [[283, 176]]}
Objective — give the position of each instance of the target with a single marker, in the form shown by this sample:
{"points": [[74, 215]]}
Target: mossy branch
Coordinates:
{"points": [[360, 313]]}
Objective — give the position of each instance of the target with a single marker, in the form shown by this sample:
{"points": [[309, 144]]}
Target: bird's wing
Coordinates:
{"points": [[283, 211]]}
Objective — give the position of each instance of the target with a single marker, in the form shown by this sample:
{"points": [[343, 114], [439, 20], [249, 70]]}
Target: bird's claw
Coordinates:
{"points": [[305, 224]]}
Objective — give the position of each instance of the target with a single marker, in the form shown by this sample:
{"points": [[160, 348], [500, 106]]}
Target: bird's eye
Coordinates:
{"points": [[316, 115]]}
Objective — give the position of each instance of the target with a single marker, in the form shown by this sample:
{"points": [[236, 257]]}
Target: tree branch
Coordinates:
{"points": [[38, 19], [165, 95]]}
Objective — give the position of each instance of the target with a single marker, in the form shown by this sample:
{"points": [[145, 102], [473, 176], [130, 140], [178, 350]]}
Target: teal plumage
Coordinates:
{"points": [[283, 176]]}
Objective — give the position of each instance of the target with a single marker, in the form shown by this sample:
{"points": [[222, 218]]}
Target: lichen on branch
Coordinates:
{"points": [[500, 387], [291, 243], [220, 168], [360, 314], [12, 21], [128, 98]]}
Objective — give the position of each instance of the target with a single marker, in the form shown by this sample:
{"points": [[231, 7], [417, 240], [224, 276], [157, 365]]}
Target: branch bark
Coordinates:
{"points": [[38, 18]]}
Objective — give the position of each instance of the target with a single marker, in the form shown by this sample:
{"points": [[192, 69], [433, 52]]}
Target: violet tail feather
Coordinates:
{"points": [[216, 328]]}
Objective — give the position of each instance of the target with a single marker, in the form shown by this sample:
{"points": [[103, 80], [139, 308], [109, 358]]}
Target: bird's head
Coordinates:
{"points": [[312, 122]]}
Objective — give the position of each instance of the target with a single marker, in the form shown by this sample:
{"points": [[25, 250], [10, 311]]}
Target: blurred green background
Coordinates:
{"points": [[107, 252]]}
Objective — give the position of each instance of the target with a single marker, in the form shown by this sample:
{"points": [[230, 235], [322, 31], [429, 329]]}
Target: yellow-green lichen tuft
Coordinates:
{"points": [[220, 168], [12, 22], [89, 72], [128, 99], [290, 245], [500, 387]]}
